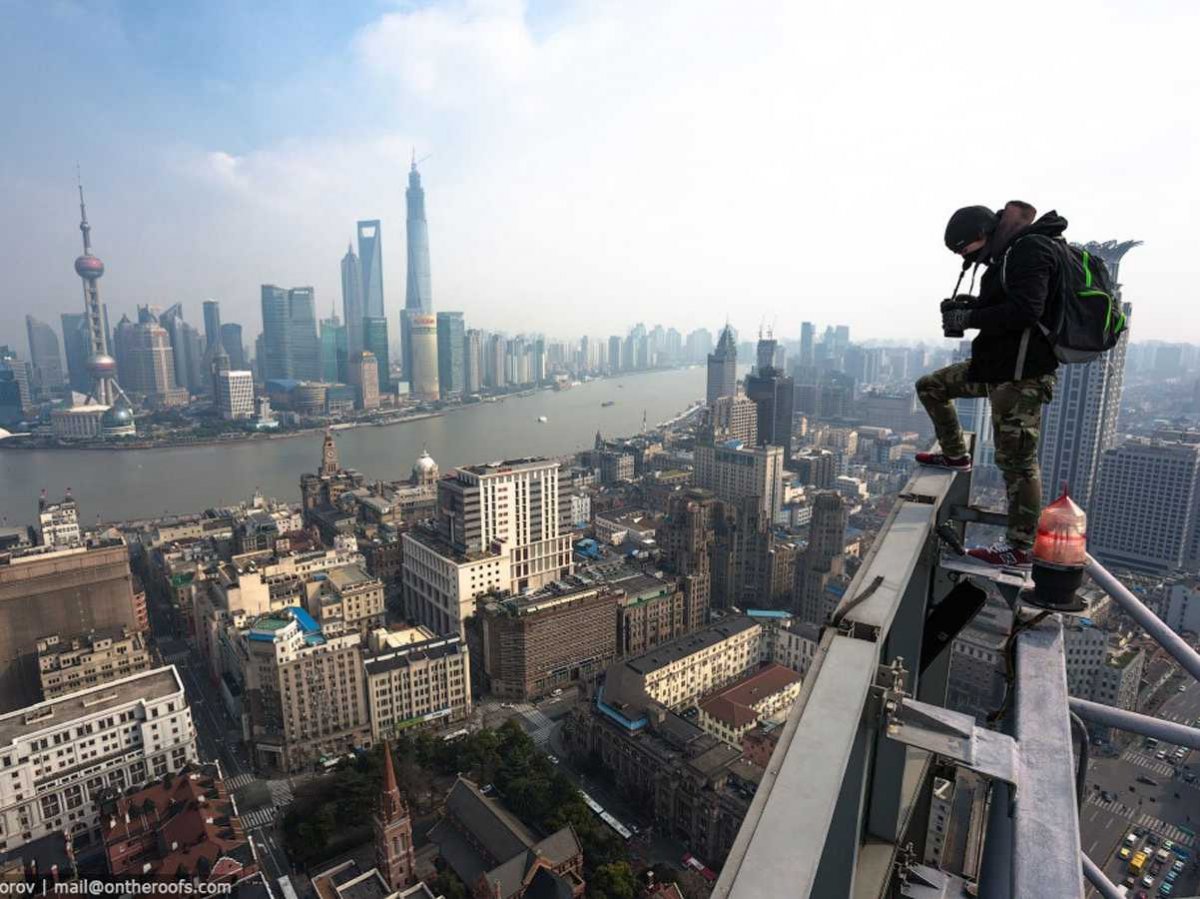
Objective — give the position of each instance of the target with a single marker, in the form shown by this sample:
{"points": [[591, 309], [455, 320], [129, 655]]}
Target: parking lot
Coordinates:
{"points": [[1147, 800]]}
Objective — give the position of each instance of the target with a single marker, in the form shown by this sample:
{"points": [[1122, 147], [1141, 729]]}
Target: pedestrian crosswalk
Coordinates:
{"points": [[281, 792], [541, 727], [260, 817], [1148, 761], [1170, 831], [1116, 806], [238, 781]]}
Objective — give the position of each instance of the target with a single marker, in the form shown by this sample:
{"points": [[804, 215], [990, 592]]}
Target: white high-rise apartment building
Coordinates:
{"points": [[55, 756], [235, 395], [1146, 511], [497, 528]]}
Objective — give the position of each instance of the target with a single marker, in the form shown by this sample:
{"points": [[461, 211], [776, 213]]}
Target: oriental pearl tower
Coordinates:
{"points": [[101, 366]]}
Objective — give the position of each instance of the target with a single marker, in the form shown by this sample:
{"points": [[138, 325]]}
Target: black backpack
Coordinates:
{"points": [[1086, 319]]}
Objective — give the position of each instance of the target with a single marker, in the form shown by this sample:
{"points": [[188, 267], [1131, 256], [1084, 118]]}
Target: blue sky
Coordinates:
{"points": [[593, 163]]}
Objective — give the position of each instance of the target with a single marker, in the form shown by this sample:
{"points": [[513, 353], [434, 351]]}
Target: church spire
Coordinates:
{"points": [[394, 855]]}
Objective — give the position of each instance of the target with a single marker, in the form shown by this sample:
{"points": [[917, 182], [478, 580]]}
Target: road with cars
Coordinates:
{"points": [[1148, 799]]}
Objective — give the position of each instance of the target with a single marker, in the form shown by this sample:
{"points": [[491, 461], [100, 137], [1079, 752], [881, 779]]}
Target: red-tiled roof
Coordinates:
{"points": [[734, 705], [172, 824]]}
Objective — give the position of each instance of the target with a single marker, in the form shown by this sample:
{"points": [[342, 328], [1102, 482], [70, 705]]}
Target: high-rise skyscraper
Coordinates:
{"points": [[418, 290], [774, 395], [765, 352], [151, 362], [212, 324], [172, 321], [735, 473], [614, 354], [538, 360], [334, 352], [722, 367], [231, 339], [1080, 424], [276, 359], [686, 538], [423, 370], [45, 357], [1146, 507], [363, 373], [370, 255], [103, 367], [473, 361], [75, 347], [823, 559], [808, 334], [418, 297], [234, 395], [375, 342], [306, 346], [450, 350], [352, 302]]}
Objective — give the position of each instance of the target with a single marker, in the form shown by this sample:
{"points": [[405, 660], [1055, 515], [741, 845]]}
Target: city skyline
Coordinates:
{"points": [[611, 225]]}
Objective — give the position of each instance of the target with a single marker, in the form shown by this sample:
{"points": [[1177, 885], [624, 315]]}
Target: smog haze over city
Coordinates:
{"points": [[593, 163], [531, 449]]}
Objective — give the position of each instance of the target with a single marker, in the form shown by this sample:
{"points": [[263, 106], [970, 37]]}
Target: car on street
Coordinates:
{"points": [[1164, 889], [1148, 880], [1161, 754], [1189, 777], [1152, 839], [1125, 852]]}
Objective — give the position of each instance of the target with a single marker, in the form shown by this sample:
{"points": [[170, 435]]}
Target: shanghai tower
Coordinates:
{"points": [[418, 296]]}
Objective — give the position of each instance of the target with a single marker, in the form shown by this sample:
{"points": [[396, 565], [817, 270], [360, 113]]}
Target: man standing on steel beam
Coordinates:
{"points": [[1012, 362]]}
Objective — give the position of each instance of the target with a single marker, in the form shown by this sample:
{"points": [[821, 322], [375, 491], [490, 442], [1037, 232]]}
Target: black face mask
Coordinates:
{"points": [[977, 257]]}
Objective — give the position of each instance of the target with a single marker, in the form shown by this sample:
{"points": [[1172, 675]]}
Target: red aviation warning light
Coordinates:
{"points": [[1060, 555], [1062, 534]]}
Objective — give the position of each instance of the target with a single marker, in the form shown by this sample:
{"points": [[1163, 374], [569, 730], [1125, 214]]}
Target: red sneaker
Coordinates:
{"points": [[941, 460], [1002, 555]]}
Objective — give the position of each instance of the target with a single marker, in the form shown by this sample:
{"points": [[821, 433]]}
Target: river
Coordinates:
{"points": [[125, 484]]}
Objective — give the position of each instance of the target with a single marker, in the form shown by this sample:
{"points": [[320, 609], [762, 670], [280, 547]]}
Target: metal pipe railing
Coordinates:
{"points": [[1146, 725], [1151, 623], [1103, 885]]}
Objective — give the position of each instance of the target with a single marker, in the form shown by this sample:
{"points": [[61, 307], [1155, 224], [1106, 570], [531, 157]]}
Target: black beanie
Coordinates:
{"points": [[968, 224]]}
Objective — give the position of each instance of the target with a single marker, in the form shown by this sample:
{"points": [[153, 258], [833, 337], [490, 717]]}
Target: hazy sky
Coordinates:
{"points": [[593, 163]]}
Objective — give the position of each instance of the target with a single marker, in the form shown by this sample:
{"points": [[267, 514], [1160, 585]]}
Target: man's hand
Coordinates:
{"points": [[955, 320]]}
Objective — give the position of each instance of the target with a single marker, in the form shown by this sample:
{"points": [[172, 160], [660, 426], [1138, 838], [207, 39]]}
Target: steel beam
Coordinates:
{"points": [[802, 837], [1146, 725], [1103, 885], [1045, 857], [1151, 623]]}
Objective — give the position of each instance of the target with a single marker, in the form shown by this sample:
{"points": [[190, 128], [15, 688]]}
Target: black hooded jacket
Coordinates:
{"points": [[1009, 345]]}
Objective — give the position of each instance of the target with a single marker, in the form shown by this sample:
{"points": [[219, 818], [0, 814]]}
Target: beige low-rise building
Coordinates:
{"points": [[346, 599], [414, 678], [66, 665], [304, 696], [677, 673], [765, 695]]}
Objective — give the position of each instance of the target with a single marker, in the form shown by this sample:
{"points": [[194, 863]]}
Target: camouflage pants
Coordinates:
{"points": [[1016, 427]]}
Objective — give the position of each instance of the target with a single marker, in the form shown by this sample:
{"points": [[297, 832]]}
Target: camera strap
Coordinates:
{"points": [[962, 274]]}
